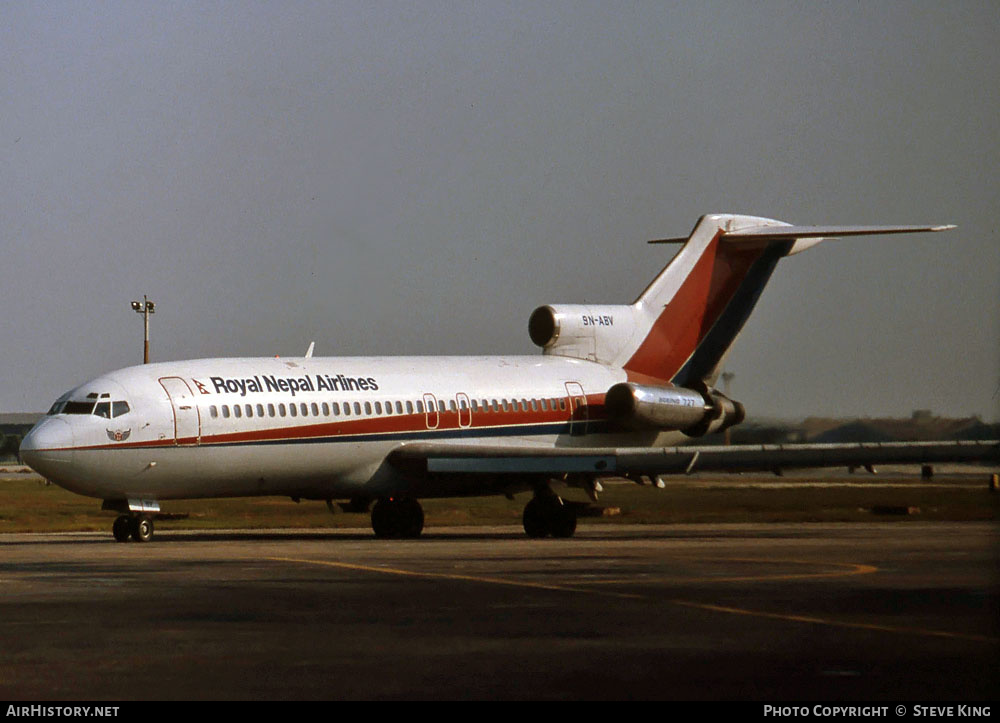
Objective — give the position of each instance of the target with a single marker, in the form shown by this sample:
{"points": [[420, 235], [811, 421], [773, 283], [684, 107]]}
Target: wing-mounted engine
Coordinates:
{"points": [[581, 331], [669, 408]]}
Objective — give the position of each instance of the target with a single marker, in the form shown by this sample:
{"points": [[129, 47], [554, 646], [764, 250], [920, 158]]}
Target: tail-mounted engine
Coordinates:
{"points": [[583, 331], [668, 408]]}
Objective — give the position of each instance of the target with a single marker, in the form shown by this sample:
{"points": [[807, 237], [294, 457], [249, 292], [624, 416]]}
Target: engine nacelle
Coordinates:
{"points": [[582, 331], [669, 408]]}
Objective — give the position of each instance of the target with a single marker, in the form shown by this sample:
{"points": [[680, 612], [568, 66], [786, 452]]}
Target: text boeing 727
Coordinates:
{"points": [[614, 390]]}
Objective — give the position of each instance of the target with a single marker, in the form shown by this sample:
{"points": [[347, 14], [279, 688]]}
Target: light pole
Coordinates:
{"points": [[145, 307]]}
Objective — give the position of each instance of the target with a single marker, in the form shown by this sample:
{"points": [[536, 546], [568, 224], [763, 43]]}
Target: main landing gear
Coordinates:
{"points": [[397, 517], [547, 514], [135, 527]]}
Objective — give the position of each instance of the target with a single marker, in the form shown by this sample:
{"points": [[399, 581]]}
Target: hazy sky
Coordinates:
{"points": [[416, 177]]}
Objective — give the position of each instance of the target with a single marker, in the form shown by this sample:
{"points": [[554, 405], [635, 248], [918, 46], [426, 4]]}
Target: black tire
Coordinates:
{"points": [[397, 518], [121, 529], [385, 519], [536, 517], [141, 529], [412, 518], [563, 521]]}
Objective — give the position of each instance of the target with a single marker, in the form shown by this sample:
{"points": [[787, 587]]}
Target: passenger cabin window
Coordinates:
{"points": [[214, 411]]}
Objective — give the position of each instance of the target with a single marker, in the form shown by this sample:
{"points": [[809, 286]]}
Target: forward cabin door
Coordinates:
{"points": [[187, 421]]}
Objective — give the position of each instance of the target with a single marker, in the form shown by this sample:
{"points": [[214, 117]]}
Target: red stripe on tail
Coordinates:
{"points": [[687, 318]]}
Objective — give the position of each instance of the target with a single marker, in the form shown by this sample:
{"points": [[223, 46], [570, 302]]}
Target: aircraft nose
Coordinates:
{"points": [[48, 447]]}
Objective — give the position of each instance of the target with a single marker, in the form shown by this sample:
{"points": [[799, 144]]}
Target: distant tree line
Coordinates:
{"points": [[9, 445]]}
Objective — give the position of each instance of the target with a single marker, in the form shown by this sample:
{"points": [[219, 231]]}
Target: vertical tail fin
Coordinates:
{"points": [[697, 306]]}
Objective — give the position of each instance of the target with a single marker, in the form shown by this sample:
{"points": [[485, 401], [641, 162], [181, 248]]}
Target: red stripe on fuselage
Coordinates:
{"points": [[687, 318], [406, 423]]}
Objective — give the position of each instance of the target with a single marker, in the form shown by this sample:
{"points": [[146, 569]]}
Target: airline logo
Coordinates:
{"points": [[291, 385]]}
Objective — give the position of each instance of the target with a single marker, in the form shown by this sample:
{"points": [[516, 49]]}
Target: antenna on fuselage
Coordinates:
{"points": [[309, 351]]}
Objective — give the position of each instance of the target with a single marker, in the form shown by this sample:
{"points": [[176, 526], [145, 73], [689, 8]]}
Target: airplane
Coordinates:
{"points": [[616, 392]]}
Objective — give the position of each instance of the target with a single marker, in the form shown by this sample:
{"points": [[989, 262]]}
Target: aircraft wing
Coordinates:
{"points": [[443, 460]]}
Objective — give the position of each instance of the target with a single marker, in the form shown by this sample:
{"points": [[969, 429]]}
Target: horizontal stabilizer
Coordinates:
{"points": [[786, 233]]}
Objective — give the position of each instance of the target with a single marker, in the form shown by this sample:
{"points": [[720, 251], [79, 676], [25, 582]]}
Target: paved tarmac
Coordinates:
{"points": [[885, 611]]}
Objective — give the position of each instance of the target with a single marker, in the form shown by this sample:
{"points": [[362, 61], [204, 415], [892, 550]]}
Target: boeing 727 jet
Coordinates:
{"points": [[618, 390]]}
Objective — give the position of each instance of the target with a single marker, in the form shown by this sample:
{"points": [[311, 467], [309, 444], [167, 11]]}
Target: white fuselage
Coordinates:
{"points": [[311, 427]]}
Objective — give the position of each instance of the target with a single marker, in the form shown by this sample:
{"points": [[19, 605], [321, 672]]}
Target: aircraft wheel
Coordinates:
{"points": [[536, 517], [413, 518], [545, 516], [563, 521], [397, 518], [121, 529], [383, 522], [141, 529]]}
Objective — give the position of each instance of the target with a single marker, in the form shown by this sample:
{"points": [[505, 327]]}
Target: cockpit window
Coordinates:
{"points": [[105, 409]]}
